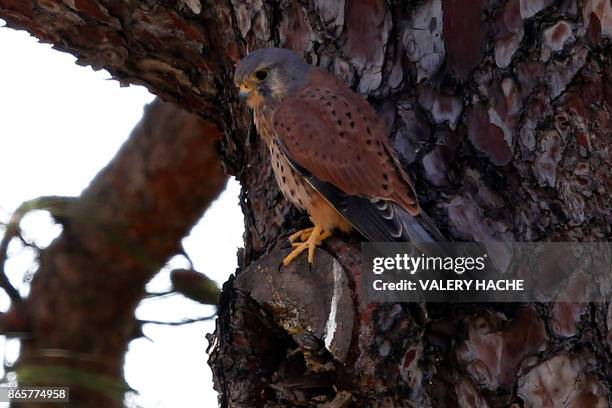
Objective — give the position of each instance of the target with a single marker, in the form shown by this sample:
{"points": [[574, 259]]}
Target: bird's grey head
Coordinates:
{"points": [[270, 75]]}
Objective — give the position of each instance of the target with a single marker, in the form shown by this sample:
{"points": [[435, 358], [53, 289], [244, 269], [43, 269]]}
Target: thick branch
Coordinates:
{"points": [[116, 235], [165, 49]]}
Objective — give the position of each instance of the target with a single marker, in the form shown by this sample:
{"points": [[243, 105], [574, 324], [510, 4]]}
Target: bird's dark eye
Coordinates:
{"points": [[261, 75]]}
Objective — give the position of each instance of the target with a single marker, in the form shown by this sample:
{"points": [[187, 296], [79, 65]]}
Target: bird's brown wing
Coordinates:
{"points": [[334, 139], [337, 137]]}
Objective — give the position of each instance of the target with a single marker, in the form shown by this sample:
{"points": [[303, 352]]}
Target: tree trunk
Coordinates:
{"points": [[501, 112]]}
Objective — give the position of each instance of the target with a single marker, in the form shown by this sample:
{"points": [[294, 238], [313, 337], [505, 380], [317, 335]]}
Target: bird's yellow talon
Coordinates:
{"points": [[312, 237], [301, 234]]}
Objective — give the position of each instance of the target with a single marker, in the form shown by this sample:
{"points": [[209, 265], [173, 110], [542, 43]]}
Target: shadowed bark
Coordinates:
{"points": [[79, 315], [501, 112]]}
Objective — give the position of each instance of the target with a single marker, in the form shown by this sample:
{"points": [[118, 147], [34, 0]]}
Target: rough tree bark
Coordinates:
{"points": [[79, 315], [501, 111]]}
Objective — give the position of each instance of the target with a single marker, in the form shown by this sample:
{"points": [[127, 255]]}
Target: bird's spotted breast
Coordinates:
{"points": [[293, 186]]}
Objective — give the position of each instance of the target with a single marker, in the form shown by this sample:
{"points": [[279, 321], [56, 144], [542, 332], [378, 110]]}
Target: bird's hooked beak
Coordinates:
{"points": [[244, 92], [249, 92]]}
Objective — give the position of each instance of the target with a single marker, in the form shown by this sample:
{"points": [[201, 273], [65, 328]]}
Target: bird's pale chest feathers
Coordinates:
{"points": [[293, 186]]}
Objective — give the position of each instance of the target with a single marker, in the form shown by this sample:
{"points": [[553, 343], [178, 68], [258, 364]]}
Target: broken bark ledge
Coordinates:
{"points": [[301, 336]]}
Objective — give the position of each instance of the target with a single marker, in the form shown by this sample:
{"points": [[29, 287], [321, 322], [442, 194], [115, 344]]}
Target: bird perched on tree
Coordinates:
{"points": [[330, 153]]}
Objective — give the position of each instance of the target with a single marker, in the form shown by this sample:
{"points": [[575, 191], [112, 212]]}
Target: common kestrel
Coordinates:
{"points": [[330, 153]]}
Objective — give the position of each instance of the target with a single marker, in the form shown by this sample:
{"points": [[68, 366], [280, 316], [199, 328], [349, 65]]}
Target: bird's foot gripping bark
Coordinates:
{"points": [[311, 238], [301, 235]]}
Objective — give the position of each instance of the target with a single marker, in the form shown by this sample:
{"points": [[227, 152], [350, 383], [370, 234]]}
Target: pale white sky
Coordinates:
{"points": [[60, 123]]}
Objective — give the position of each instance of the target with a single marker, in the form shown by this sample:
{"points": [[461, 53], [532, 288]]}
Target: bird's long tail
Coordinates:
{"points": [[419, 228], [380, 220], [421, 231]]}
